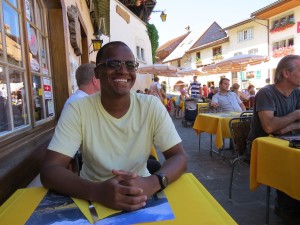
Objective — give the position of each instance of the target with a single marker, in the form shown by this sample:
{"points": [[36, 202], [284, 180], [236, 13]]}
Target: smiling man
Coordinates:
{"points": [[116, 129]]}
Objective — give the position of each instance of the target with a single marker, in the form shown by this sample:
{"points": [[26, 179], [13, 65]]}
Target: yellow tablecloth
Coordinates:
{"points": [[275, 164], [215, 123], [189, 200], [202, 104]]}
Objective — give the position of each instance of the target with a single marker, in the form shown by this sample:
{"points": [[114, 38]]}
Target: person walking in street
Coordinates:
{"points": [[195, 89]]}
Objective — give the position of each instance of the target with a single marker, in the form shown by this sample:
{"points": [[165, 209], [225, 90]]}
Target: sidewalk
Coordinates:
{"points": [[246, 207]]}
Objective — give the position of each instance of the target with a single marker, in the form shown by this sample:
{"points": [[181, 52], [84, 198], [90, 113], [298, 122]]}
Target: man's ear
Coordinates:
{"points": [[96, 71]]}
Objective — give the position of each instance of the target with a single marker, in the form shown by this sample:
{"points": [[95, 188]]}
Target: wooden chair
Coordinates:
{"points": [[239, 130]]}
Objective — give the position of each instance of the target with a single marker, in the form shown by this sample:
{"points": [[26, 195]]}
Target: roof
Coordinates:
{"points": [[275, 8], [166, 49], [212, 34], [183, 47], [172, 44], [239, 24]]}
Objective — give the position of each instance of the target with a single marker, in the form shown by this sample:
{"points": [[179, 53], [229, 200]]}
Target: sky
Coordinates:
{"points": [[200, 14]]}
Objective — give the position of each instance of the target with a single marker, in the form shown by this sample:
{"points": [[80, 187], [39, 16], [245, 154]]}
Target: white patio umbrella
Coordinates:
{"points": [[187, 72], [159, 69], [236, 63]]}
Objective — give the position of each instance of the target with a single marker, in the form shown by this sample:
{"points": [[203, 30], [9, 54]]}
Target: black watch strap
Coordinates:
{"points": [[163, 180]]}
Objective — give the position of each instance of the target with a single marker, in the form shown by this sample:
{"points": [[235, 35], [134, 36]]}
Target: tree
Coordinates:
{"points": [[153, 36]]}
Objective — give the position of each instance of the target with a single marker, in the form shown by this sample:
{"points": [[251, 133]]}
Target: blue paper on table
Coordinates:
{"points": [[57, 209]]}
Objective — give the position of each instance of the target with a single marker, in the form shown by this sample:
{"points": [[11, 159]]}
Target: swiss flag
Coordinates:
{"points": [[47, 88], [298, 27]]}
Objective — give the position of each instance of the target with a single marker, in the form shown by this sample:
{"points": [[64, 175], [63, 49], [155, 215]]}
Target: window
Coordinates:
{"points": [[198, 58], [217, 51], [237, 53], [253, 51], [283, 43], [245, 35], [16, 92], [283, 48], [284, 21], [140, 53], [39, 60]]}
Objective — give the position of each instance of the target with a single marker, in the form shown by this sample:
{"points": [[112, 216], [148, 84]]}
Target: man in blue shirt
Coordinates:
{"points": [[228, 101]]}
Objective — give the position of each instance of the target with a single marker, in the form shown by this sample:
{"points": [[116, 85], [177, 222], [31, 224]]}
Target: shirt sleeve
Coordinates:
{"points": [[165, 133], [67, 137], [215, 98]]}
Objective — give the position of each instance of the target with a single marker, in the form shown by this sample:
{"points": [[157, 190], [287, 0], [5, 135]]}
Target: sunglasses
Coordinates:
{"points": [[114, 64]]}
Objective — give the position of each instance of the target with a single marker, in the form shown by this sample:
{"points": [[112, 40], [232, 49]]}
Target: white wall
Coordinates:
{"points": [[133, 34]]}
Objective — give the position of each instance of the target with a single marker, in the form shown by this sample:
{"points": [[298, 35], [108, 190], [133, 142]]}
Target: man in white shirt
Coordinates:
{"points": [[87, 82]]}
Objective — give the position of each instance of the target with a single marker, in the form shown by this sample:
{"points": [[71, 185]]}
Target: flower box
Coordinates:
{"points": [[280, 52], [216, 57], [281, 27]]}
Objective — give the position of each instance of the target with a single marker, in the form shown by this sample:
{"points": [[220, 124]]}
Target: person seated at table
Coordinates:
{"points": [[277, 111], [117, 129], [235, 88], [214, 90], [227, 100], [249, 88], [179, 103]]}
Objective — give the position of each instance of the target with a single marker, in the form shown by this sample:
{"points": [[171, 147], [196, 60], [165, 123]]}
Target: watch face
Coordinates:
{"points": [[165, 181]]}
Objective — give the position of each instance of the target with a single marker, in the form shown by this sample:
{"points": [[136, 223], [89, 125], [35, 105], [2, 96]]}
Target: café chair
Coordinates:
{"points": [[247, 113], [239, 130]]}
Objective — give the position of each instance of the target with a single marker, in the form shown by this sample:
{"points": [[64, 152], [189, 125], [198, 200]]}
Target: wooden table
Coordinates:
{"points": [[275, 164], [215, 123], [189, 200]]}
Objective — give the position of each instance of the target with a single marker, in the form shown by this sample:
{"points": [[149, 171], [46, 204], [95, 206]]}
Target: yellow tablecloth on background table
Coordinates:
{"points": [[189, 200], [202, 104], [215, 123], [275, 164]]}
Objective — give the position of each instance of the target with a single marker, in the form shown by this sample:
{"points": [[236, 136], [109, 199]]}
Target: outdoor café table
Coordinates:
{"points": [[190, 201], [275, 164], [215, 123], [202, 104]]}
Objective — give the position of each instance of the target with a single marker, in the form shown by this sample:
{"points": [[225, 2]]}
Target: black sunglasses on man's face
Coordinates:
{"points": [[115, 64]]}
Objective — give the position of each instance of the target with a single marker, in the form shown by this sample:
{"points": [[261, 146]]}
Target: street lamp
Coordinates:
{"points": [[163, 16]]}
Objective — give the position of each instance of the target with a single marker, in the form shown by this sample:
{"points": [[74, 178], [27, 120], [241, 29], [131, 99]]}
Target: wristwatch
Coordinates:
{"points": [[163, 180]]}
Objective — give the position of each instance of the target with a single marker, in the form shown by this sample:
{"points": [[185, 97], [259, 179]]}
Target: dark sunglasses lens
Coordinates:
{"points": [[114, 64], [131, 65]]}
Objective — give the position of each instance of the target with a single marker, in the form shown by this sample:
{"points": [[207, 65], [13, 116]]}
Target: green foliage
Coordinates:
{"points": [[153, 36]]}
